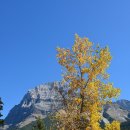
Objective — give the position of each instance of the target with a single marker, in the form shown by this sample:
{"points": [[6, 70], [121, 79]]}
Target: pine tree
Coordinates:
{"points": [[1, 108], [39, 124], [86, 86]]}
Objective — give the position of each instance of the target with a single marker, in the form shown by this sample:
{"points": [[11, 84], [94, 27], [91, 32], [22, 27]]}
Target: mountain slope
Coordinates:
{"points": [[117, 111], [45, 99], [39, 101]]}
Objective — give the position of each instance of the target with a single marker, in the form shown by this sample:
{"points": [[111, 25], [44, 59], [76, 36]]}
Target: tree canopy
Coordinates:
{"points": [[86, 84]]}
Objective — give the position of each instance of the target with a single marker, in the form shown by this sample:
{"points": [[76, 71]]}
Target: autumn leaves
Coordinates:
{"points": [[88, 89]]}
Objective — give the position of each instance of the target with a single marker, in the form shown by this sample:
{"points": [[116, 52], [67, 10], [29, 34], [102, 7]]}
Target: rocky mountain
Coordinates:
{"points": [[39, 101], [119, 110], [45, 99]]}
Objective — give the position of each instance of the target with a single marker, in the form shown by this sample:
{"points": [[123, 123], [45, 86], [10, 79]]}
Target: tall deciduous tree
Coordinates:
{"points": [[86, 86]]}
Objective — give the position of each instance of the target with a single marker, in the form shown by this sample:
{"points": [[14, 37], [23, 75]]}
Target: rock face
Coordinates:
{"points": [[39, 101], [119, 111], [45, 99]]}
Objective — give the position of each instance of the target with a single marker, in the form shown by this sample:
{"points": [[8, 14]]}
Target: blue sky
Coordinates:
{"points": [[30, 31]]}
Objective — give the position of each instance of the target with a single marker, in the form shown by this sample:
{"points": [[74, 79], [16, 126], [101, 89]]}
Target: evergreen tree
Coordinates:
{"points": [[1, 108], [39, 124]]}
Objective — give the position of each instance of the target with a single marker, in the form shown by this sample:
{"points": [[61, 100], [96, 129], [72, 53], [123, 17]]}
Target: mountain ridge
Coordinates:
{"points": [[36, 102], [44, 99]]}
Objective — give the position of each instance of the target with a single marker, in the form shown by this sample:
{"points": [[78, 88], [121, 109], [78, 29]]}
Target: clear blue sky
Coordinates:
{"points": [[30, 31]]}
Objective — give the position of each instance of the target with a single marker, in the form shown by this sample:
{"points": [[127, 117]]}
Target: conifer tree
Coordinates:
{"points": [[1, 108], [39, 124], [86, 86]]}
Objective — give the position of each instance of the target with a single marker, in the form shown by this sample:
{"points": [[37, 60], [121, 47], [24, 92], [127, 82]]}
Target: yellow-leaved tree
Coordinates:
{"points": [[86, 86]]}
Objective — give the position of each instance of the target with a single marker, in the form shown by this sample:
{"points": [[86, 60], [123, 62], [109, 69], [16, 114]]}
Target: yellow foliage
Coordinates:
{"points": [[86, 80], [115, 125], [78, 100]]}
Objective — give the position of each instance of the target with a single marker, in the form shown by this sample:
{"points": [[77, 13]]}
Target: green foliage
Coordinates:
{"points": [[39, 124], [1, 108], [125, 125], [46, 121]]}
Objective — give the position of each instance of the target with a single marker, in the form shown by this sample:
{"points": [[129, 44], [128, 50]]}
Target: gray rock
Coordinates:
{"points": [[45, 99], [40, 101], [119, 111]]}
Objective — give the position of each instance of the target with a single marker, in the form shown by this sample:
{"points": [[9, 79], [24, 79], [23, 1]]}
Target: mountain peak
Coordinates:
{"points": [[45, 99], [125, 104], [41, 100]]}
